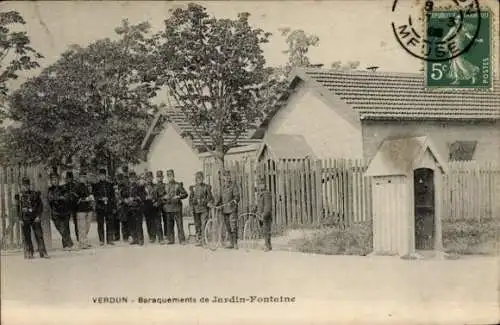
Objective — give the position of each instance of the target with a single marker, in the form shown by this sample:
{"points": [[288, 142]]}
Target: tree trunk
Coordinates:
{"points": [[219, 168]]}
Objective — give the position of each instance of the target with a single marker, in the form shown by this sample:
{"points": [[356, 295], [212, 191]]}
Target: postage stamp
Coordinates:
{"points": [[466, 43]]}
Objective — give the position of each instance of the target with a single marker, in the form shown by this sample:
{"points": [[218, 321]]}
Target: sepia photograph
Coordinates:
{"points": [[146, 173]]}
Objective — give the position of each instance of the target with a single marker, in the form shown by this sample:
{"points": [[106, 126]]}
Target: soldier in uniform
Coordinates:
{"points": [[151, 211], [229, 199], [264, 209], [69, 188], [160, 190], [200, 196], [134, 196], [105, 203], [30, 207], [83, 209], [60, 210], [121, 210], [172, 207]]}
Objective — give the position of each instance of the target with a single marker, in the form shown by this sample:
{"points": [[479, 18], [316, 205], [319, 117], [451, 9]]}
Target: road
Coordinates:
{"points": [[338, 289]]}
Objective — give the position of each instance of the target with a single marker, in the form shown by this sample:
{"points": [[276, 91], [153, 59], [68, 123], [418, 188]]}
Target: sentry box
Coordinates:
{"points": [[407, 176]]}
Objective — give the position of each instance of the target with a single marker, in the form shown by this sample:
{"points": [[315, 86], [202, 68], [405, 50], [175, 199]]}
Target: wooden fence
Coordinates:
{"points": [[305, 192], [471, 190], [336, 191], [10, 180]]}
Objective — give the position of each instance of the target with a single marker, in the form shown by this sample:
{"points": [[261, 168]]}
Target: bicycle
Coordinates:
{"points": [[252, 230], [214, 231]]}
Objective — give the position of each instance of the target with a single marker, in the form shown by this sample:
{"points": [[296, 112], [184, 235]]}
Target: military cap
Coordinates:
{"points": [[102, 171], [159, 173], [149, 174], [198, 174], [226, 173], [125, 169], [132, 174], [25, 180], [69, 175], [120, 176], [170, 172]]}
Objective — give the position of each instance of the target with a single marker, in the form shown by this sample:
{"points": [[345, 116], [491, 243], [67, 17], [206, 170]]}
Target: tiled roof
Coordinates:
{"points": [[175, 116], [287, 146], [382, 95], [397, 156]]}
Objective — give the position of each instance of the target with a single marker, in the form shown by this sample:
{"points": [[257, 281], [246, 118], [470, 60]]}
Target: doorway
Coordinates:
{"points": [[423, 180]]}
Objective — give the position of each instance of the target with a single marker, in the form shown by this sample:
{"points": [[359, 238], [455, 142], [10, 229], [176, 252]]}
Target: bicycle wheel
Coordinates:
{"points": [[252, 233], [211, 235]]}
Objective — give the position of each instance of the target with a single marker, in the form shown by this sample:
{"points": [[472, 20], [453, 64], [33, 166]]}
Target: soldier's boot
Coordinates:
{"points": [[268, 246], [198, 241], [235, 240], [28, 255], [44, 255], [232, 241]]}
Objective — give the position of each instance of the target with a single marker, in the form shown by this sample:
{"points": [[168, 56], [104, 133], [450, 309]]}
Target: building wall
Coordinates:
{"points": [[309, 114], [170, 151], [392, 218], [441, 134]]}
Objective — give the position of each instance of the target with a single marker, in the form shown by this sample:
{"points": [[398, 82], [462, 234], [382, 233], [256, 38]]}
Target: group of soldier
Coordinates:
{"points": [[122, 206]]}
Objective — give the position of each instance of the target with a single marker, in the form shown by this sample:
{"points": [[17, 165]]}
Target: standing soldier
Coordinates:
{"points": [[172, 207], [30, 207], [134, 195], [59, 204], [200, 196], [70, 189], [160, 190], [151, 213], [121, 209], [264, 209], [83, 210], [105, 201], [230, 197]]}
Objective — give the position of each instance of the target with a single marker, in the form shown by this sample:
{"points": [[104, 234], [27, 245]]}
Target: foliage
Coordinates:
{"points": [[298, 42], [215, 69], [16, 54], [471, 236], [350, 65], [94, 102], [353, 240]]}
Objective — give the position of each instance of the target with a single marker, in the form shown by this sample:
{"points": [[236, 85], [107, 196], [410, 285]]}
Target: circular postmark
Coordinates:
{"points": [[436, 31]]}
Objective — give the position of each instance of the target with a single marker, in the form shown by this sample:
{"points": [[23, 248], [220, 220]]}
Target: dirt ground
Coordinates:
{"points": [[326, 289]]}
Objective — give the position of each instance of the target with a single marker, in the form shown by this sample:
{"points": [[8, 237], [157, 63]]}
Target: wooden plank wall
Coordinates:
{"points": [[336, 191], [471, 190]]}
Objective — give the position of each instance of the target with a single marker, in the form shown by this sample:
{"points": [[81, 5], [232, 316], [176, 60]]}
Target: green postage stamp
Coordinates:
{"points": [[459, 50]]}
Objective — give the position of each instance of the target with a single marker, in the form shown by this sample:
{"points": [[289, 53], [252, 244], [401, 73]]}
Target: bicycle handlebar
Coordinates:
{"points": [[222, 205]]}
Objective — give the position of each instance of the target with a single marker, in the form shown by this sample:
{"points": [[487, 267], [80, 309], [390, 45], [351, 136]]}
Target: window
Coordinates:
{"points": [[462, 150]]}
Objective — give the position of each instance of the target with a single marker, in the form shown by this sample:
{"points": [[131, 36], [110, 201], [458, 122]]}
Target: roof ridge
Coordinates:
{"points": [[363, 72], [373, 73]]}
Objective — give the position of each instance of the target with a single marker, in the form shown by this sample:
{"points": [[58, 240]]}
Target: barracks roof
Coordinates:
{"points": [[176, 118], [286, 146], [386, 95]]}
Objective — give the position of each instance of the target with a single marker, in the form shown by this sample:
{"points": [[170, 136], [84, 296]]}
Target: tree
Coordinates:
{"points": [[350, 65], [92, 104], [16, 54], [298, 43], [215, 70]]}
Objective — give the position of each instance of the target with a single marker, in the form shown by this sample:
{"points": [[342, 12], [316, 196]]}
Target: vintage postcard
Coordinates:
{"points": [[250, 162]]}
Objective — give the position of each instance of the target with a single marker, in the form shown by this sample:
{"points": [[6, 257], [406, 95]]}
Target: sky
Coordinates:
{"points": [[349, 30]]}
